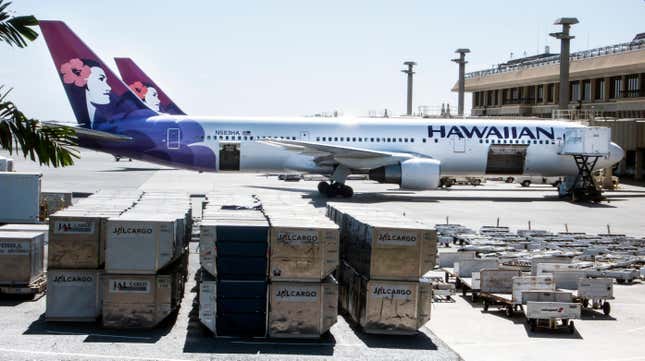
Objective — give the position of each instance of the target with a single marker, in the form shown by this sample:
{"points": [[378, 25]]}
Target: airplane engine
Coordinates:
{"points": [[415, 173]]}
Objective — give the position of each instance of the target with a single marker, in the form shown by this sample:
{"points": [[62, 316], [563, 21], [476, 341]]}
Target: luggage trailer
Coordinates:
{"points": [[594, 292], [466, 284]]}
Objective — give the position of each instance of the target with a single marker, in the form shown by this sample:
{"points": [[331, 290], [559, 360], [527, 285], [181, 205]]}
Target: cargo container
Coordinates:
{"points": [[568, 279], [547, 259], [546, 296], [386, 250], [597, 291], [302, 309], [140, 301], [136, 246], [73, 295], [76, 241], [552, 315], [17, 227], [386, 306], [531, 283], [55, 201], [592, 141], [302, 250], [544, 268], [497, 280], [233, 308], [235, 249], [465, 267], [21, 257], [20, 197]]}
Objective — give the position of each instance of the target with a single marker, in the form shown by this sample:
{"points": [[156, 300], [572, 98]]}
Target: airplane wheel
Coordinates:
{"points": [[346, 191], [323, 188]]}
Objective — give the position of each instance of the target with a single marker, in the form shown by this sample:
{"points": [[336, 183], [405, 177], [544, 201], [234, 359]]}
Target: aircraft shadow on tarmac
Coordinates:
{"points": [[96, 333]]}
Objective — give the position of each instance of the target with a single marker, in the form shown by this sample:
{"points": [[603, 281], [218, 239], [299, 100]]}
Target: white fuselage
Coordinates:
{"points": [[461, 145]]}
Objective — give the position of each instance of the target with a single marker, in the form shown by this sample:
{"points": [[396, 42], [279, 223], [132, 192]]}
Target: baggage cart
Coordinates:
{"points": [[595, 292], [552, 315], [37, 286]]}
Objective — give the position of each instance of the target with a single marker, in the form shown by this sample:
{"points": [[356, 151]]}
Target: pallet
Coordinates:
{"points": [[39, 285]]}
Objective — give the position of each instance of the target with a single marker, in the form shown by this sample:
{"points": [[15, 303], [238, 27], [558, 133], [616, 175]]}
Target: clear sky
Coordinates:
{"points": [[303, 57]]}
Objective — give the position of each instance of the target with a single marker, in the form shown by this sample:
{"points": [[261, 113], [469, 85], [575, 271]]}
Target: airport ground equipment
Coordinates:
{"points": [[19, 197], [595, 292], [552, 315], [621, 275], [587, 145], [74, 295], [55, 201], [441, 291], [496, 288]]}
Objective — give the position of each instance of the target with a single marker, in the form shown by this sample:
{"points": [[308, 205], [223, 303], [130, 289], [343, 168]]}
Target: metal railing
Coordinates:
{"points": [[555, 59], [583, 116]]}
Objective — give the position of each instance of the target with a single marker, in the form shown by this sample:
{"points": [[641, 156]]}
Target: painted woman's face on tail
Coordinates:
{"points": [[98, 90], [152, 99]]}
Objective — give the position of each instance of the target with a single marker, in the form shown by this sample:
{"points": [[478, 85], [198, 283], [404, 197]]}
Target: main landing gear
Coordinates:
{"points": [[335, 189]]}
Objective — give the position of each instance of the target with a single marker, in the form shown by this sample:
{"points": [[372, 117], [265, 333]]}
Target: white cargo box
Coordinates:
{"points": [[551, 259], [586, 141], [137, 246], [76, 241], [21, 257], [568, 279], [17, 227], [19, 197], [552, 310], [302, 309], [543, 269], [596, 288], [531, 283], [208, 303], [73, 295], [497, 280], [465, 267], [546, 296]]}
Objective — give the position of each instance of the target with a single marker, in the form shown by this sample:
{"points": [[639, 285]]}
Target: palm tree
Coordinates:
{"points": [[50, 145]]}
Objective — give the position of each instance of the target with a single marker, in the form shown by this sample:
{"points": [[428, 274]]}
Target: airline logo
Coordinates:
{"points": [[463, 131], [131, 230], [398, 238], [392, 291], [129, 286], [73, 279], [14, 248], [65, 227], [296, 294], [297, 237]]}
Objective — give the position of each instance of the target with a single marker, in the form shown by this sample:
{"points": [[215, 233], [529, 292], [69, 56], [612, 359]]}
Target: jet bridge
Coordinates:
{"points": [[586, 145]]}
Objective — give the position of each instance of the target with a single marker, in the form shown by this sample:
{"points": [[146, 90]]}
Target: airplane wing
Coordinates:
{"points": [[351, 157], [89, 133]]}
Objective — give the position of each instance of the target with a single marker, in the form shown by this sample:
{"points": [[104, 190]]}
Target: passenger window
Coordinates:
{"points": [[400, 140], [481, 141], [405, 140], [372, 140], [378, 140], [336, 139], [540, 142], [208, 137], [423, 140], [411, 140], [360, 139], [251, 137], [353, 139], [227, 137], [317, 139], [342, 139], [436, 140]]}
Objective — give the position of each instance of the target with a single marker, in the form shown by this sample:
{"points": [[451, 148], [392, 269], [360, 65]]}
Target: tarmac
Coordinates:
{"points": [[457, 330]]}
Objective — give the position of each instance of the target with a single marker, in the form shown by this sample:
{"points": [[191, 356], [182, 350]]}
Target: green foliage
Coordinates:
{"points": [[49, 145]]}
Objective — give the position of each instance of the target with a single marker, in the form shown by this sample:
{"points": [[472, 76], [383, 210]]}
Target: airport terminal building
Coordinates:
{"points": [[605, 83]]}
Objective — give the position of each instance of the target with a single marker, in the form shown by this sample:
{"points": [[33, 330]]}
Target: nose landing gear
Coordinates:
{"points": [[335, 189]]}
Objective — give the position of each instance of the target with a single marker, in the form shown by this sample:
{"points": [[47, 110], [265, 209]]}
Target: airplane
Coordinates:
{"points": [[412, 152], [145, 88]]}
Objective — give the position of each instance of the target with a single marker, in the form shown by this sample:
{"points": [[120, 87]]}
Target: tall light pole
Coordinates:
{"points": [[410, 73], [462, 81], [565, 43]]}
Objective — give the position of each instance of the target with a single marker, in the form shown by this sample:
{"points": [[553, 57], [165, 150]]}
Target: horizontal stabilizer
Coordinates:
{"points": [[89, 133]]}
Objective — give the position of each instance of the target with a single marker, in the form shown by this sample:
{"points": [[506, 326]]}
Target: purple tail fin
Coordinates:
{"points": [[145, 88], [98, 97]]}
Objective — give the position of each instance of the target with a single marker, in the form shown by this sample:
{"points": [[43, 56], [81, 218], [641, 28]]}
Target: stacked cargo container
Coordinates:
{"points": [[146, 261], [76, 255], [304, 254], [384, 257], [266, 268], [233, 255]]}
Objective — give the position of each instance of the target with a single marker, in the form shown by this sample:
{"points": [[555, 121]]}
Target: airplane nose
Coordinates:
{"points": [[616, 153]]}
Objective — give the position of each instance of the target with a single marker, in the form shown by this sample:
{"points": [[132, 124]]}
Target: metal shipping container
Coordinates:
{"points": [[73, 295], [55, 201], [568, 279], [137, 246], [76, 241], [552, 310], [19, 197], [546, 296], [531, 283], [391, 252], [596, 288], [139, 301], [302, 309], [550, 259], [465, 267], [587, 141], [387, 307], [497, 280], [21, 257], [304, 252]]}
